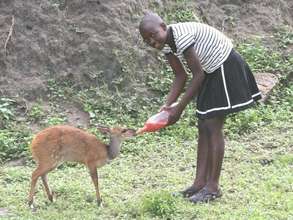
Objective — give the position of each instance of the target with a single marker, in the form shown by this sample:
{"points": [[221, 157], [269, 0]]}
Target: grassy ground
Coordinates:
{"points": [[256, 180]]}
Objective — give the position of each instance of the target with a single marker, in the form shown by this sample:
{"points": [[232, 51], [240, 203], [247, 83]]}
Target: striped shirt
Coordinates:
{"points": [[211, 45]]}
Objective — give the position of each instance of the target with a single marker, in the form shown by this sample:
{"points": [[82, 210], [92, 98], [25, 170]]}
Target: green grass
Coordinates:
{"points": [[138, 185], [256, 177]]}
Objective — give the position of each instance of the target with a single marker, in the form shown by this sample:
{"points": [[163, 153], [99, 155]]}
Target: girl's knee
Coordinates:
{"points": [[210, 126], [204, 128]]}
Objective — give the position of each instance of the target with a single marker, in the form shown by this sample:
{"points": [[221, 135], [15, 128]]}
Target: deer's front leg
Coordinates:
{"points": [[94, 176]]}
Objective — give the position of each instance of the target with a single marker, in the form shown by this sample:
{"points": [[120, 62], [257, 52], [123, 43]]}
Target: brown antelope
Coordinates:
{"points": [[54, 145]]}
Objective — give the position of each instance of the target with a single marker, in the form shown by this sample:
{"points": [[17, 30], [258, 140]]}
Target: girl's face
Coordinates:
{"points": [[154, 35]]}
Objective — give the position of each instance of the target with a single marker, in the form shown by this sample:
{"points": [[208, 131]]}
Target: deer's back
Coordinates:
{"points": [[67, 143]]}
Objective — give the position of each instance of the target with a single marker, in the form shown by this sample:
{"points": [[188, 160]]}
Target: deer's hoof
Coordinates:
{"points": [[50, 198], [32, 206], [99, 202]]}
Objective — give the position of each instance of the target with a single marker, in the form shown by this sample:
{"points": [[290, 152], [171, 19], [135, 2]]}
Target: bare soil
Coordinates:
{"points": [[88, 42]]}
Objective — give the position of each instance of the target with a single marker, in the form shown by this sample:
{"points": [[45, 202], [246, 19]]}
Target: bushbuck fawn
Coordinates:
{"points": [[54, 145]]}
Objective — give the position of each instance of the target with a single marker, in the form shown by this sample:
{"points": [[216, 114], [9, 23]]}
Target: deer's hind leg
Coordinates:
{"points": [[42, 171], [47, 188]]}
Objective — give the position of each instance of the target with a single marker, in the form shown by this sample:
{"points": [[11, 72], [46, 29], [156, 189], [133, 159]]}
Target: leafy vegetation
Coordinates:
{"points": [[13, 144], [161, 204], [6, 110], [36, 113], [261, 58], [284, 36]]}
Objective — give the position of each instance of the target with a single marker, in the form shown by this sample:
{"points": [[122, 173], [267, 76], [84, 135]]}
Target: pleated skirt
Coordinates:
{"points": [[230, 88]]}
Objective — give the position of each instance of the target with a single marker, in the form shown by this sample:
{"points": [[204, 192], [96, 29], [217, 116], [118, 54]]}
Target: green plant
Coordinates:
{"points": [[160, 83], [161, 204], [184, 12], [36, 112], [55, 120], [60, 90], [6, 109], [13, 144], [183, 15], [259, 57], [284, 36], [243, 122]]}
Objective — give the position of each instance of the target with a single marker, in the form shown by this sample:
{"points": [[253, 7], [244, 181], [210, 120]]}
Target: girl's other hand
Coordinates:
{"points": [[166, 107], [163, 108]]}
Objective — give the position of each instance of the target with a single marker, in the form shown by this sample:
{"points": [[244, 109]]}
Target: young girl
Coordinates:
{"points": [[221, 80]]}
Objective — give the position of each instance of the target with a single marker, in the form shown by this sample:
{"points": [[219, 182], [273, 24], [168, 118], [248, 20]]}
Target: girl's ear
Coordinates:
{"points": [[164, 26]]}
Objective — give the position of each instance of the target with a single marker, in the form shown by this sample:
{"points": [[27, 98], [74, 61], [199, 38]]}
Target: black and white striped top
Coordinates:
{"points": [[211, 45]]}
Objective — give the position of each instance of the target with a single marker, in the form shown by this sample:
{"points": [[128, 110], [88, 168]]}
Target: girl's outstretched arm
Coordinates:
{"points": [[198, 76], [194, 85], [179, 80]]}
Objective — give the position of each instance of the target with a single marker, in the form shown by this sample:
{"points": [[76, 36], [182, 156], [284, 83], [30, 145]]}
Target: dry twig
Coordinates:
{"points": [[9, 35]]}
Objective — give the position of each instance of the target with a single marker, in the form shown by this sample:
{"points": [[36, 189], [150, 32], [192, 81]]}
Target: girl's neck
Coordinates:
{"points": [[170, 39], [169, 36]]}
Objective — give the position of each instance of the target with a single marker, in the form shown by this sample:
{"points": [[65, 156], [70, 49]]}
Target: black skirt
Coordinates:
{"points": [[230, 88]]}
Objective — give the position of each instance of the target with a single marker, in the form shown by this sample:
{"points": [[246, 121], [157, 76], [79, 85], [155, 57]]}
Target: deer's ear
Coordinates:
{"points": [[103, 129]]}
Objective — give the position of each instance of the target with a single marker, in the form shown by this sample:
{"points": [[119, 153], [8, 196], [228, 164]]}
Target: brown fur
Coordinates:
{"points": [[54, 145]]}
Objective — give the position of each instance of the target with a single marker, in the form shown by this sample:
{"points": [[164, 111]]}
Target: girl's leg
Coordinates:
{"points": [[210, 191], [201, 167], [216, 152], [202, 155]]}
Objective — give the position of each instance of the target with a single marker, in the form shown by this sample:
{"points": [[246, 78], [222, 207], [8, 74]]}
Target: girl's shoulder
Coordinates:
{"points": [[189, 23], [184, 28]]}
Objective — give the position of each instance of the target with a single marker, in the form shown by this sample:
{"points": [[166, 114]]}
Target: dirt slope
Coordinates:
{"points": [[88, 40]]}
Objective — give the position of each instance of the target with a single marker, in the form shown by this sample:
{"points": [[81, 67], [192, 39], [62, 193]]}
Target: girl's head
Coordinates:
{"points": [[153, 30]]}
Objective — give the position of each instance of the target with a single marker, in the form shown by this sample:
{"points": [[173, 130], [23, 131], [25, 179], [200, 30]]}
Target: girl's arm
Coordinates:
{"points": [[194, 85], [197, 76], [179, 80]]}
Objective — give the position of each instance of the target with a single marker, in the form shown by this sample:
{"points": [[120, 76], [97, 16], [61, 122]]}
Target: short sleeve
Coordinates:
{"points": [[166, 50], [183, 42]]}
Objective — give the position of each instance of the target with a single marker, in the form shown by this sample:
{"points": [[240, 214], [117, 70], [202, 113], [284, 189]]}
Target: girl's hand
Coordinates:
{"points": [[174, 112]]}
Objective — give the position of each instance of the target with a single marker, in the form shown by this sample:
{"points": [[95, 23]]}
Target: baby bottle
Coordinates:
{"points": [[156, 122]]}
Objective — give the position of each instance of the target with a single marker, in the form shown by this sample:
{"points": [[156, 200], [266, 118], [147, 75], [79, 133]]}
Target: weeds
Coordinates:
{"points": [[284, 36], [161, 204], [13, 144], [6, 109], [36, 113], [55, 121]]}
